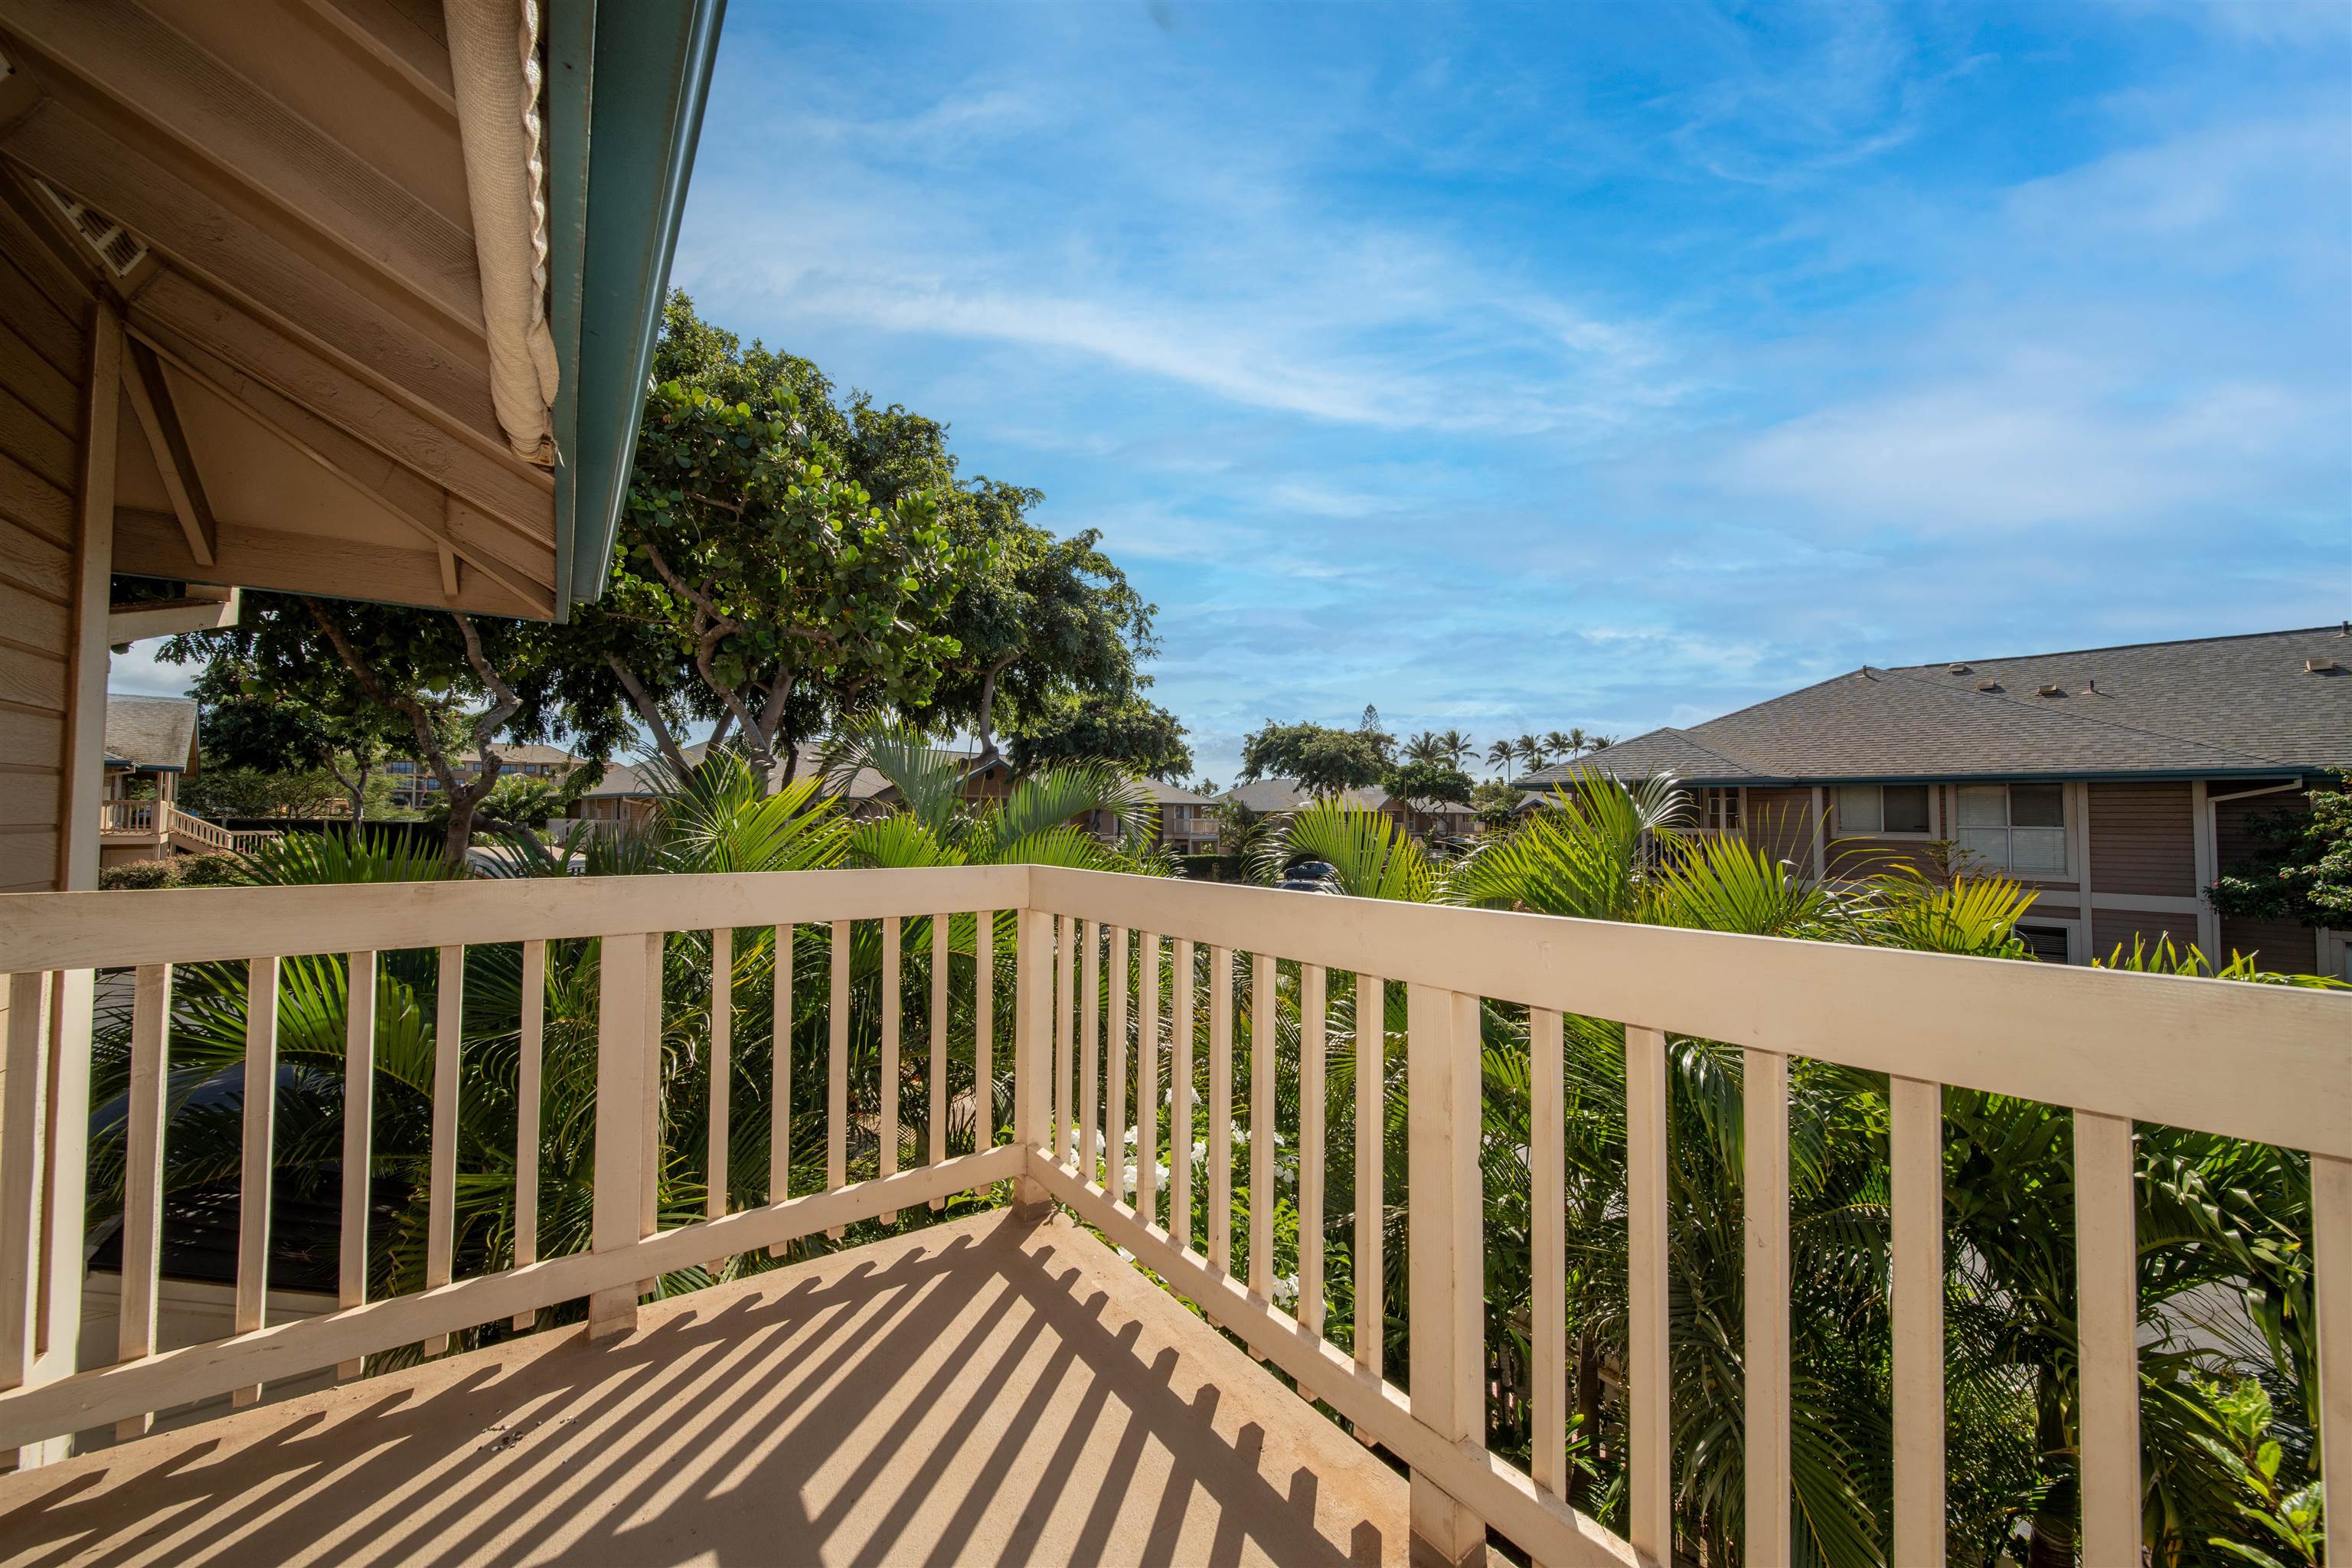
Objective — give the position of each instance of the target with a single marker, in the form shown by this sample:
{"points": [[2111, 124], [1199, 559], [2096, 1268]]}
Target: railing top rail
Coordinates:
{"points": [[2262, 1062], [194, 925]]}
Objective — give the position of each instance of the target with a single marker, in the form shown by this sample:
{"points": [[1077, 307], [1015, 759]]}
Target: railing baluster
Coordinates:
{"points": [[984, 1032], [1649, 1456], [780, 1074], [529, 1092], [359, 1135], [1765, 1204], [2106, 1265], [21, 1125], [253, 1169], [1032, 956], [2331, 1246], [722, 1068], [1266, 1037], [649, 1123], [441, 1206], [1547, 1243], [142, 1180], [623, 1085], [836, 1084], [1090, 1046], [1445, 1222], [894, 982], [1371, 1141], [935, 1125], [1220, 1109], [1313, 984], [1916, 1147], [1147, 1078], [1115, 1090], [1180, 1098], [1065, 997]]}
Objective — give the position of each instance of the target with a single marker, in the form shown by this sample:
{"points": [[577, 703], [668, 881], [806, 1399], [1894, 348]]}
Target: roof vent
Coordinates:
{"points": [[1988, 686], [2319, 666], [1957, 670], [2053, 689], [120, 250]]}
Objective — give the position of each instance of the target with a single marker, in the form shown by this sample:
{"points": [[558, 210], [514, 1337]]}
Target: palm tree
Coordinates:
{"points": [[1426, 747], [1501, 755], [1458, 748], [713, 819], [1565, 743], [1530, 752], [2217, 1215]]}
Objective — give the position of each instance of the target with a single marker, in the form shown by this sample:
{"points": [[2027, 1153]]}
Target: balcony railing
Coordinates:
{"points": [[1111, 977], [162, 821]]}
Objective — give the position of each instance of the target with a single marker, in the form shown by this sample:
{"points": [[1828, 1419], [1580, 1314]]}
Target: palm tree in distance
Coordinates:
{"points": [[1426, 747], [1458, 747], [1530, 752], [1501, 754], [1565, 744]]}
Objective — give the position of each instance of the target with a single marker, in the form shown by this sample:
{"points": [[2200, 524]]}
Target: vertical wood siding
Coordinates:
{"points": [[2143, 839]]}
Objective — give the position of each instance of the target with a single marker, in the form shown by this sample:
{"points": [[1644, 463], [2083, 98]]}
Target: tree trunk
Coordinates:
{"points": [[2051, 1544], [984, 726], [650, 711], [1588, 1407]]}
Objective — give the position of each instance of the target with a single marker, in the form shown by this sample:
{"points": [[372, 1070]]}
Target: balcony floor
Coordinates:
{"points": [[984, 1392]]}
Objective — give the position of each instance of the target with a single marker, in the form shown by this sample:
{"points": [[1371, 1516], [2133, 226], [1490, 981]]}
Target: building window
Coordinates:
{"points": [[1882, 808], [2048, 944], [2018, 829], [1718, 810]]}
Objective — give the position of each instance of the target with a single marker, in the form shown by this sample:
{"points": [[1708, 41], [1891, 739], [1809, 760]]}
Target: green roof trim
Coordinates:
{"points": [[626, 84]]}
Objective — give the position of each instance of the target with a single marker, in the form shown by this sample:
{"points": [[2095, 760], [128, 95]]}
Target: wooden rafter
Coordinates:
{"points": [[159, 415], [217, 114], [399, 40]]}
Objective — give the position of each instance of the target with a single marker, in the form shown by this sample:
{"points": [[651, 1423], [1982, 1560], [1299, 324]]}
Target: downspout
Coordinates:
{"points": [[494, 65]]}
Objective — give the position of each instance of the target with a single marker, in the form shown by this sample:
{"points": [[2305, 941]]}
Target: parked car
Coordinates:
{"points": [[1310, 877]]}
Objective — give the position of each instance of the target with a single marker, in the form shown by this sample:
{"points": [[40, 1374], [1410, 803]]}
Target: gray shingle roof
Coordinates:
{"points": [[150, 731], [2212, 705]]}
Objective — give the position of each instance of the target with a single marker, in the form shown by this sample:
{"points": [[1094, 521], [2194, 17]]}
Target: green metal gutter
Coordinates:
{"points": [[627, 82]]}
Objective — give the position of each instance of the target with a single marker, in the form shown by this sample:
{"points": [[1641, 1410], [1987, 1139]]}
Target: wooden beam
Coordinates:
{"points": [[453, 459], [408, 495], [196, 611], [397, 40], [217, 114], [149, 544], [150, 399], [272, 269], [448, 572]]}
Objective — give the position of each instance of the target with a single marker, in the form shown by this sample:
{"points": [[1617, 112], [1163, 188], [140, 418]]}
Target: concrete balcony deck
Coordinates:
{"points": [[983, 1392]]}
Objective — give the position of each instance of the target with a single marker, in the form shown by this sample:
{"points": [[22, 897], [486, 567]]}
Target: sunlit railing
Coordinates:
{"points": [[160, 820], [1136, 1006]]}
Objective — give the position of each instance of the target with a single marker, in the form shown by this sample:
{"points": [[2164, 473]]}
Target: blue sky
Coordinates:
{"points": [[1612, 365]]}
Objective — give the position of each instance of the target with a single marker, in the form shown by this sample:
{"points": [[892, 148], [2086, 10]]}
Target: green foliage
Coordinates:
{"points": [[219, 868], [138, 875], [2162, 957], [1374, 855], [1323, 760], [1426, 783], [1497, 803], [2240, 1441], [2303, 869], [232, 791], [1139, 735]]}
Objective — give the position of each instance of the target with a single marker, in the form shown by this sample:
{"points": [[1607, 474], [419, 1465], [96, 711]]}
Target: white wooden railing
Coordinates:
{"points": [[161, 820], [1090, 1059]]}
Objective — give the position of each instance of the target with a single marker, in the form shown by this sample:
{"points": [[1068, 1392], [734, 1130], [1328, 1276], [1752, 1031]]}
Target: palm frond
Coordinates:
{"points": [[1375, 857]]}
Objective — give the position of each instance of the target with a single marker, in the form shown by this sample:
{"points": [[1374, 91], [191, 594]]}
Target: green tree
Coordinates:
{"points": [[1497, 803], [1424, 785], [1426, 747], [1457, 748], [1501, 754], [1139, 735], [1323, 760], [2303, 869], [262, 729]]}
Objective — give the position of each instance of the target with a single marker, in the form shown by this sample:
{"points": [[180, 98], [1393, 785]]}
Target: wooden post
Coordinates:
{"points": [[983, 1031], [143, 1186], [1649, 1452], [254, 1164], [1264, 1039], [527, 1094], [1447, 1266], [1915, 1144], [1033, 1049], [1312, 1008], [1220, 1109], [935, 1118], [1372, 1172], [894, 985], [2331, 1234], [1147, 1078], [1180, 1098], [2106, 1309], [441, 1204], [359, 1131], [622, 1084], [1547, 1239], [1765, 1175]]}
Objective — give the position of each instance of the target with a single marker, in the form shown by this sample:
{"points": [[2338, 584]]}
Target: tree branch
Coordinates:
{"points": [[650, 711]]}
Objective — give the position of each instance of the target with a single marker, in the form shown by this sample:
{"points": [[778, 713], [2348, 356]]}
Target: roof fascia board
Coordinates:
{"points": [[571, 92], [653, 60]]}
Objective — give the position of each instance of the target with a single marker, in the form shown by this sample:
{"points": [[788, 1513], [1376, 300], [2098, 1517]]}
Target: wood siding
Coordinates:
{"points": [[2111, 929], [43, 350], [1780, 822], [2143, 839]]}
